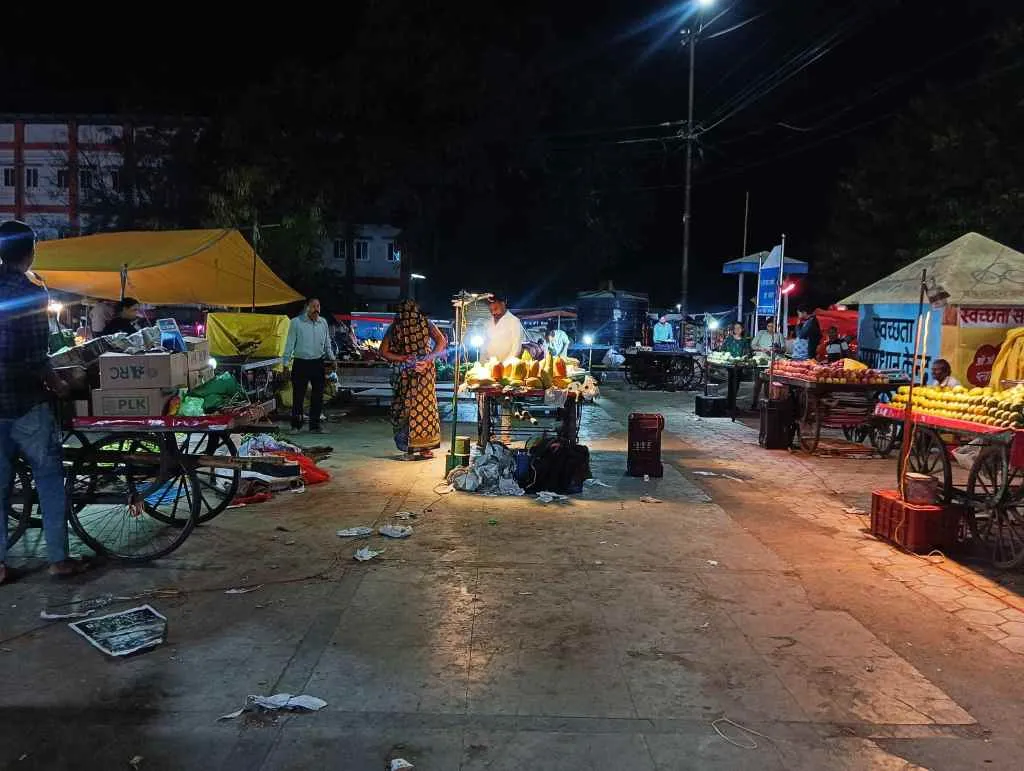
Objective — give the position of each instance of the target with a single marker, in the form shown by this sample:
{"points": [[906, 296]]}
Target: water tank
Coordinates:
{"points": [[612, 317]]}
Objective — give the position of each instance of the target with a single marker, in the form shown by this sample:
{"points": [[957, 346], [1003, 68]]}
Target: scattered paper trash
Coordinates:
{"points": [[649, 499], [713, 563], [404, 516], [124, 633], [705, 473], [854, 510], [278, 701], [136, 762], [400, 763], [592, 482], [731, 479], [46, 615], [549, 497], [647, 477], [243, 589], [366, 554], [396, 531], [355, 532]]}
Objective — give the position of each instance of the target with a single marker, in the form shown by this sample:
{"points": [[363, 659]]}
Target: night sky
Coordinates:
{"points": [[834, 72]]}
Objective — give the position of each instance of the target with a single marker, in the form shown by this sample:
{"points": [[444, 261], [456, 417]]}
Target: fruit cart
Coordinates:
{"points": [[832, 396], [509, 414], [992, 489], [138, 486], [677, 370]]}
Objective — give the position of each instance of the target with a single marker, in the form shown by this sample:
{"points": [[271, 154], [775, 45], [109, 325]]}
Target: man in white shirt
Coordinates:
{"points": [[768, 339], [506, 335], [942, 374], [306, 351]]}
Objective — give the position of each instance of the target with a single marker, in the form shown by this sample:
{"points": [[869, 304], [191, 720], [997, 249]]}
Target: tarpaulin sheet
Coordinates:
{"points": [[229, 334], [173, 267]]}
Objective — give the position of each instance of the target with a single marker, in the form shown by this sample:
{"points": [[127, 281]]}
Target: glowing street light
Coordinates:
{"points": [[588, 339], [417, 277], [789, 287], [55, 307], [713, 324], [705, 3]]}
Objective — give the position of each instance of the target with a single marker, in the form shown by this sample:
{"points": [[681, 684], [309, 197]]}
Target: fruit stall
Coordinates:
{"points": [[734, 368], [522, 398], [841, 395], [971, 442]]}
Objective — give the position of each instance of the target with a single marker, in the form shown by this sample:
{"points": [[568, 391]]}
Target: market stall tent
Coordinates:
{"points": [[752, 264], [173, 267], [984, 281]]}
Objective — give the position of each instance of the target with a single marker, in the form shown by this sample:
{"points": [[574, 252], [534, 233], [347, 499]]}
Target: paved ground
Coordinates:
{"points": [[603, 634]]}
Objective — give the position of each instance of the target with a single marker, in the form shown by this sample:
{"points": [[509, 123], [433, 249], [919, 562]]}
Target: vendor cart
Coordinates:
{"points": [[137, 487], [849, 407], [522, 414], [993, 490], [669, 370], [734, 371]]}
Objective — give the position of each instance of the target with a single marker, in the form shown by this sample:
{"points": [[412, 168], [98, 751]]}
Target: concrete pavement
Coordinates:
{"points": [[602, 634]]}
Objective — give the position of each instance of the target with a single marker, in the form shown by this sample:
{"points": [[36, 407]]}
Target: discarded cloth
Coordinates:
{"points": [[278, 701]]}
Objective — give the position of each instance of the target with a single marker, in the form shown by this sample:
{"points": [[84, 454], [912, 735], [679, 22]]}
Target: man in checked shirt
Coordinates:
{"points": [[27, 422]]}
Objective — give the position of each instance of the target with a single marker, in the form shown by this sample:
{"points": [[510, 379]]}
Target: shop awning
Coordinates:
{"points": [[752, 262], [973, 269], [173, 267]]}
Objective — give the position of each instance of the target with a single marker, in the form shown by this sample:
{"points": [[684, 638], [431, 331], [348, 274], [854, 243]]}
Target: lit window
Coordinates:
{"points": [[339, 249], [32, 177], [394, 252], [361, 249], [63, 178], [8, 177]]}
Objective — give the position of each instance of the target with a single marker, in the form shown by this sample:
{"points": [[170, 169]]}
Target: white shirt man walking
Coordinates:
{"points": [[307, 351]]}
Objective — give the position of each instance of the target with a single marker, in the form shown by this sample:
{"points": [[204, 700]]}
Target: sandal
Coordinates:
{"points": [[68, 568]]}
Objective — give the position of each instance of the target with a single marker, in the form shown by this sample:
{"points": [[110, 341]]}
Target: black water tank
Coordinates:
{"points": [[611, 317]]}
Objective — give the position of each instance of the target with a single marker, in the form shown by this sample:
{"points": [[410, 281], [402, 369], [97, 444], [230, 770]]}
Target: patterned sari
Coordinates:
{"points": [[414, 415]]}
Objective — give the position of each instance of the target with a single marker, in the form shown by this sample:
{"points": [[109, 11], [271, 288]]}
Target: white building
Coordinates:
{"points": [[373, 253]]}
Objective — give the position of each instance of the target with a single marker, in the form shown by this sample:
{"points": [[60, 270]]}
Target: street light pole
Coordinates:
{"points": [[684, 300]]}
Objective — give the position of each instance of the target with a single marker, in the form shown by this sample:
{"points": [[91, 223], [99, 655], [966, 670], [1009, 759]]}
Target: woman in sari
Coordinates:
{"points": [[412, 344]]}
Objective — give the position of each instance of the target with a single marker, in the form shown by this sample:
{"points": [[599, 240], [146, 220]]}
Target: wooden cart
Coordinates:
{"points": [[992, 490]]}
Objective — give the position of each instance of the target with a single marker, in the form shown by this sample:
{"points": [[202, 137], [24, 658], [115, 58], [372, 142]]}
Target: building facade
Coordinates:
{"points": [[369, 258], [52, 166]]}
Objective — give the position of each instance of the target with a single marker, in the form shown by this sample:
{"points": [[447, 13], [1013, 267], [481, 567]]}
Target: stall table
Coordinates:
{"points": [[994, 490], [734, 372], [256, 376], [677, 369], [845, 406], [497, 404]]}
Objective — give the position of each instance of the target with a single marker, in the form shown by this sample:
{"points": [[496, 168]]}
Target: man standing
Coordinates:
{"points": [[663, 334], [765, 341], [307, 351], [808, 334], [27, 423], [557, 341], [506, 335]]}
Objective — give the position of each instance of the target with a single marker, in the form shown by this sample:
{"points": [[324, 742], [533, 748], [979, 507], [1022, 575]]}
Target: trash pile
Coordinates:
{"points": [[260, 482], [492, 472]]}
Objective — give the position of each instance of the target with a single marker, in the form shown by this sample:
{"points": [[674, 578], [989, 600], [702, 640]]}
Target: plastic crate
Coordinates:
{"points": [[644, 455], [916, 527]]}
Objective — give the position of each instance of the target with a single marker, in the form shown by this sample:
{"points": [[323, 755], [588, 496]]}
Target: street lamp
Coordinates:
{"points": [[588, 340], [691, 40], [476, 341], [413, 278]]}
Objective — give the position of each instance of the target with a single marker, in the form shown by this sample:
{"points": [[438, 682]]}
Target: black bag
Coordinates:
{"points": [[556, 466]]}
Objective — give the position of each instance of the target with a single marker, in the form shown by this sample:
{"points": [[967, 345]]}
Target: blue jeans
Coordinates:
{"points": [[35, 436]]}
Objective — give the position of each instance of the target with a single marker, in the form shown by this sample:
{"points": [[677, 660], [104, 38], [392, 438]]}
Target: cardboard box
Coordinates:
{"points": [[130, 402], [198, 352], [197, 377], [153, 370], [81, 408]]}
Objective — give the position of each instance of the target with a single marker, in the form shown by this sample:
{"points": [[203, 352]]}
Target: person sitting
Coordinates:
{"points": [[126, 314], [664, 335], [942, 374], [836, 346]]}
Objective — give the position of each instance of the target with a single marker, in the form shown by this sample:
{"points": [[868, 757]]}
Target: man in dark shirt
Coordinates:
{"points": [[27, 423]]}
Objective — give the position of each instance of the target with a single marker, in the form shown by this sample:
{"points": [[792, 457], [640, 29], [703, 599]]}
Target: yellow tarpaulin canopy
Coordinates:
{"points": [[173, 267], [257, 335], [975, 270]]}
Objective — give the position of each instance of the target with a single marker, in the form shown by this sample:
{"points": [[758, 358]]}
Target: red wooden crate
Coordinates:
{"points": [[916, 527], [644, 453]]}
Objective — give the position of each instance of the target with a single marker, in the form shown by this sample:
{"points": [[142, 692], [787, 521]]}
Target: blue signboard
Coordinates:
{"points": [[768, 283], [885, 337]]}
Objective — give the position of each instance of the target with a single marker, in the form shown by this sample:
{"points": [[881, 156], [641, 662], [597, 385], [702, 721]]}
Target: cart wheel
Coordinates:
{"points": [[856, 433], [928, 456], [996, 515], [217, 486], [884, 435], [127, 508], [20, 497], [809, 425]]}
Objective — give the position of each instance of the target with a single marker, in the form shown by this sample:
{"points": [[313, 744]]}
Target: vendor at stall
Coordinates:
{"points": [[808, 334], [506, 335], [942, 374], [737, 343], [664, 335], [768, 340], [837, 346], [557, 342], [125, 320]]}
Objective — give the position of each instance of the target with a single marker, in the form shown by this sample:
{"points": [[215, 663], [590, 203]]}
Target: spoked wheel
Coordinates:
{"points": [[885, 436], [20, 498], [809, 423], [856, 433], [127, 502], [996, 518], [928, 456], [217, 486]]}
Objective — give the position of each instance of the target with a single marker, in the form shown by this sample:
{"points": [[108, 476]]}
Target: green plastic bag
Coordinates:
{"points": [[191, 407], [219, 391]]}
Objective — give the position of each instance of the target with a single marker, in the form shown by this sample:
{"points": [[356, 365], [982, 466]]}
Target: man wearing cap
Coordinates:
{"points": [[506, 335]]}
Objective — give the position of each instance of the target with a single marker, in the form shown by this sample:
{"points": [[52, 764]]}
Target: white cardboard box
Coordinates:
{"points": [[198, 353], [130, 402], [151, 370], [197, 377]]}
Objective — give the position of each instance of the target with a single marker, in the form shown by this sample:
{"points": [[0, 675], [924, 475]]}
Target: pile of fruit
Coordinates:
{"points": [[842, 371], [1004, 409], [526, 372], [724, 357]]}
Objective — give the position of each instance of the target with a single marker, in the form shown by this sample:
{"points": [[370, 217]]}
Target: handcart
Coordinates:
{"points": [[522, 414]]}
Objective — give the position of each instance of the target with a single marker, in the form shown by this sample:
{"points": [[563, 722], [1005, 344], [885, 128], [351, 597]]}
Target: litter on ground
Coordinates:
{"points": [[396, 531], [355, 532], [366, 554], [592, 482], [243, 589], [649, 499], [549, 497], [278, 701]]}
